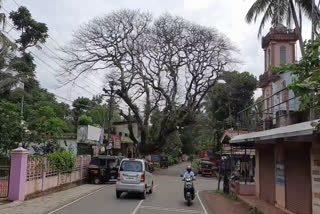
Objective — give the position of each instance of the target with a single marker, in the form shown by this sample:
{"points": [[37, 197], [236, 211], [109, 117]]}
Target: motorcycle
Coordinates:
{"points": [[189, 191]]}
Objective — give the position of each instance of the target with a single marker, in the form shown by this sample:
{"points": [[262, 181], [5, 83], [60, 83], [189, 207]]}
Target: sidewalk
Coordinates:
{"points": [[50, 202], [261, 205], [217, 204]]}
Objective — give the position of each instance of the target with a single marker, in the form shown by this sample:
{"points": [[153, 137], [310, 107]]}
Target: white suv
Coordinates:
{"points": [[134, 176]]}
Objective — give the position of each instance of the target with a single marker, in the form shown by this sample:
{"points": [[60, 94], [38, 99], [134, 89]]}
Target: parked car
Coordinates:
{"points": [[134, 176], [164, 162], [103, 168], [207, 168]]}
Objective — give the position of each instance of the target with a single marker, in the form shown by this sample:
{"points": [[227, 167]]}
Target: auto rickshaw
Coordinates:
{"points": [[103, 168], [164, 162], [206, 168]]}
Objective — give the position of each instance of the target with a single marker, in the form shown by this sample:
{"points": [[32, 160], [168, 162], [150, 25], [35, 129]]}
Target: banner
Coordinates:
{"points": [[116, 141]]}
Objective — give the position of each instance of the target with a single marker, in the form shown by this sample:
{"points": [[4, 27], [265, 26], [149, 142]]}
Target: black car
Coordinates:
{"points": [[103, 168]]}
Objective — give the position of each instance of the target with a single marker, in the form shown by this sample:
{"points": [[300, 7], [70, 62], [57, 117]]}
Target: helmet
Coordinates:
{"points": [[189, 168]]}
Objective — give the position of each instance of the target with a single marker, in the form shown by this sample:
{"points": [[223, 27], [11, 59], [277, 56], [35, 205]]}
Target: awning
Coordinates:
{"points": [[298, 129], [126, 140]]}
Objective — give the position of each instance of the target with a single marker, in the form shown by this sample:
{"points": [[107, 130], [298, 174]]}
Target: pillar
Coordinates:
{"points": [[257, 173], [18, 174], [81, 167], [280, 176]]}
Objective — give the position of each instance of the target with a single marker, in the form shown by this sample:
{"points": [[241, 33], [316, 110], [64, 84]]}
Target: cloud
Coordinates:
{"points": [[196, 4]]}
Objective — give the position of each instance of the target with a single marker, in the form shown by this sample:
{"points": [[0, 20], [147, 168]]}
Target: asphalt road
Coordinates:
{"points": [[167, 197]]}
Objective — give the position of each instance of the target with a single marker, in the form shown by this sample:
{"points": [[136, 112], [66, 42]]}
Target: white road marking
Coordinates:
{"points": [[78, 199], [170, 209], [137, 207], [204, 209]]}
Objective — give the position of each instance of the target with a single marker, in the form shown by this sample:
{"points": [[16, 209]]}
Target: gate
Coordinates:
{"points": [[4, 177]]}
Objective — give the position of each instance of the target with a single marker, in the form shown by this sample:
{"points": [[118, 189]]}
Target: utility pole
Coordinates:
{"points": [[313, 20], [110, 93]]}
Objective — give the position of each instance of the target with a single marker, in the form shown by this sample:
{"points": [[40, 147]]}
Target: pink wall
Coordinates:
{"points": [[44, 183], [289, 47]]}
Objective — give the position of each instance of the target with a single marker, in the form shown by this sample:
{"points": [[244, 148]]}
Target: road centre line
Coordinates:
{"points": [[137, 207], [78, 199], [204, 209], [139, 204], [171, 209]]}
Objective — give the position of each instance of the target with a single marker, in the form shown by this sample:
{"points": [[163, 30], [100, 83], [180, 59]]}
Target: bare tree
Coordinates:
{"points": [[167, 63]]}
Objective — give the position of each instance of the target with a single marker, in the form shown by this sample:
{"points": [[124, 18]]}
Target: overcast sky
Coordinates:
{"points": [[64, 16]]}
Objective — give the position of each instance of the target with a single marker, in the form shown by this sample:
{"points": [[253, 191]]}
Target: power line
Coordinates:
{"points": [[91, 82], [14, 1], [55, 41]]}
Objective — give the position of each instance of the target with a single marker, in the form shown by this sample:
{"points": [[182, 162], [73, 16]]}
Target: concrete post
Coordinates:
{"points": [[18, 174], [81, 167], [44, 175]]}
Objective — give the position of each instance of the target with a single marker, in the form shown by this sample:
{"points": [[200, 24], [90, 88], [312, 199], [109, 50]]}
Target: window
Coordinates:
{"points": [[283, 54], [126, 135], [131, 166], [146, 166], [269, 58], [111, 164]]}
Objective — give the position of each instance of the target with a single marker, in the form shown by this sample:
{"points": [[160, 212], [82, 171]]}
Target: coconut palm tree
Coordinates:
{"points": [[279, 11], [2, 16]]}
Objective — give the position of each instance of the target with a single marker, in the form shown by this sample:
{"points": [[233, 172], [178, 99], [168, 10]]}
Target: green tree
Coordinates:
{"points": [[32, 32], [11, 128], [85, 120], [225, 100], [81, 106], [45, 128]]}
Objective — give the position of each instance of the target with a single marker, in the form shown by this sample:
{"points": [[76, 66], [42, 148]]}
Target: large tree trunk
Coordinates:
{"points": [[296, 22]]}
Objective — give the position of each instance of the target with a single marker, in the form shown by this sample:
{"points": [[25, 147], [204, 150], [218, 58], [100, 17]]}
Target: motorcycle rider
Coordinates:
{"points": [[189, 174]]}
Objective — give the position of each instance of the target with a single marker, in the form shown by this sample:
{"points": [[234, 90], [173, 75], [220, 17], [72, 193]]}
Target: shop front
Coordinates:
{"points": [[287, 167]]}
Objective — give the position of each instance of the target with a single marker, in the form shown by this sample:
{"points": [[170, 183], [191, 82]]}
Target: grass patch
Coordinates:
{"points": [[254, 210], [228, 196]]}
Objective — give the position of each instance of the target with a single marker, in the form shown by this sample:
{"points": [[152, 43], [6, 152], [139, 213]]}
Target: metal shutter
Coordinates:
{"points": [[267, 174], [298, 179]]}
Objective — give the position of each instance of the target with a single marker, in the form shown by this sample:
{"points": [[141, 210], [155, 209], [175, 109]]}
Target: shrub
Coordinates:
{"points": [[196, 164], [62, 161], [172, 160]]}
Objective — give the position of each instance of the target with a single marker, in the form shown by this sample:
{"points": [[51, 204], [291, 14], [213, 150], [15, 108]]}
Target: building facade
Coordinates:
{"points": [[288, 149]]}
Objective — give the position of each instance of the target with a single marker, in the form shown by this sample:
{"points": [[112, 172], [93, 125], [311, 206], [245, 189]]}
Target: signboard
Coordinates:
{"points": [[109, 146], [116, 141], [280, 174], [94, 133], [88, 133], [155, 158]]}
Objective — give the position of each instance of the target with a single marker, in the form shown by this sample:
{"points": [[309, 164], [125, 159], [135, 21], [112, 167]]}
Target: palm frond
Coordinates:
{"points": [[267, 15], [256, 9]]}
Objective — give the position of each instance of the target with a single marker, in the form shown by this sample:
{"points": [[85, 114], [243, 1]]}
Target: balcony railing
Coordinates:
{"points": [[265, 78], [272, 112], [281, 34]]}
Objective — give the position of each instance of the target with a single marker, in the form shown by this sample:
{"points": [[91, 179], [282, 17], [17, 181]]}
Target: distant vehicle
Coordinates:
{"points": [[135, 175], [207, 168], [164, 162], [103, 168]]}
